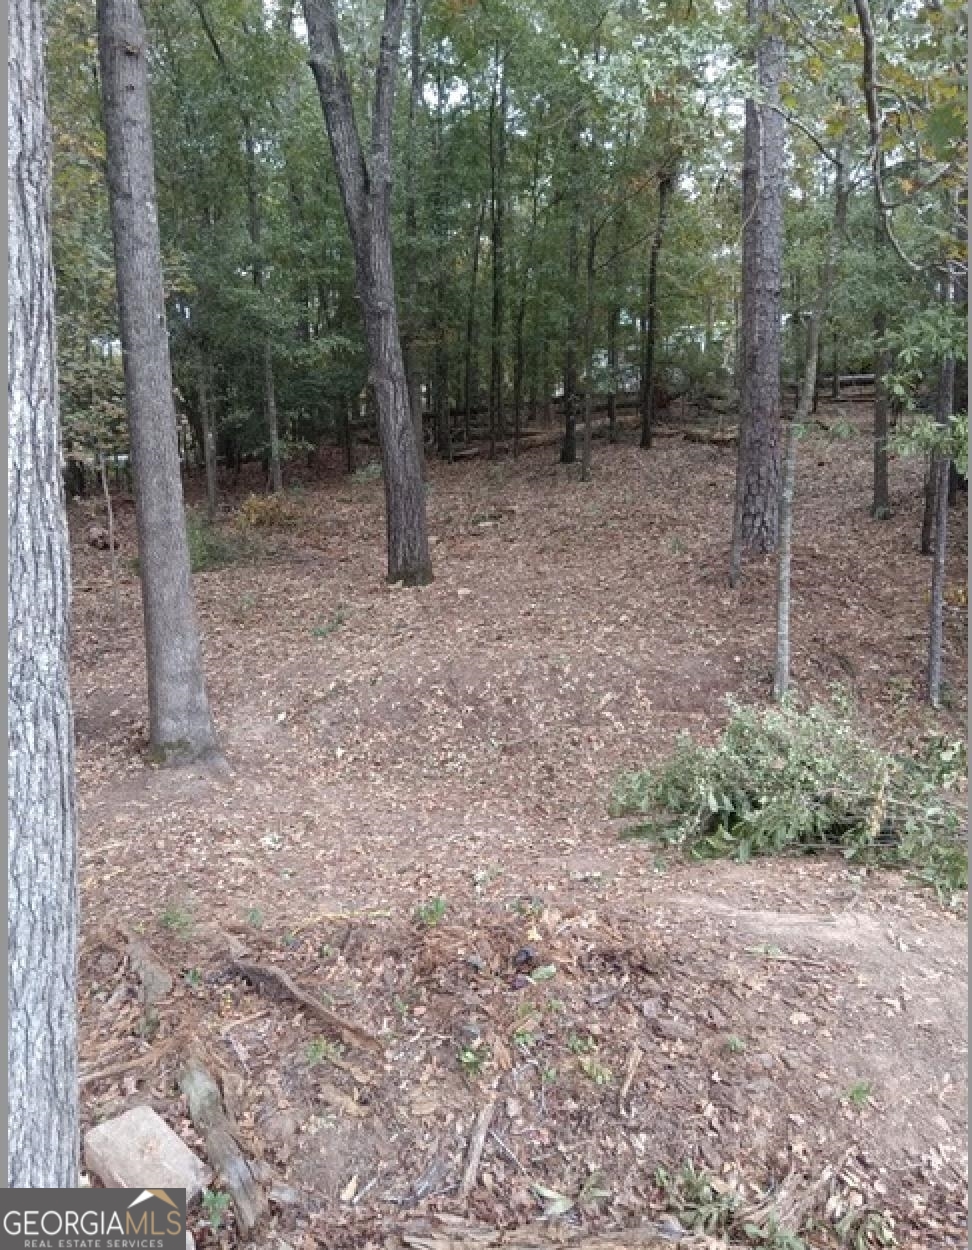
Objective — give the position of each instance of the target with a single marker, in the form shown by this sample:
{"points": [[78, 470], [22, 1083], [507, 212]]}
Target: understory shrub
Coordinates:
{"points": [[209, 547], [804, 780]]}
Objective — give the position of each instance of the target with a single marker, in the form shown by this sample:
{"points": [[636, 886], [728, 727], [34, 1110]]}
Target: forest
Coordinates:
{"points": [[487, 609]]}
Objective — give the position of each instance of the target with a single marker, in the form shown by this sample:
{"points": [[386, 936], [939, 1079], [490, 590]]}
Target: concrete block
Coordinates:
{"points": [[138, 1150]]}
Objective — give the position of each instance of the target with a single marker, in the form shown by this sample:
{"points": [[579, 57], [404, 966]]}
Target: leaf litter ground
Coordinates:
{"points": [[412, 826]]}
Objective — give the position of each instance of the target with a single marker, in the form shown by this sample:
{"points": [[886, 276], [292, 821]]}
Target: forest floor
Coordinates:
{"points": [[413, 825]]}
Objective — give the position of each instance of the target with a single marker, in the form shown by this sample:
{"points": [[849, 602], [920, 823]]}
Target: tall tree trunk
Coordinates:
{"points": [[440, 381], [180, 725], [804, 404], [756, 512], [411, 319], [42, 864], [835, 375], [881, 500], [519, 351], [208, 437], [497, 166], [940, 466], [470, 385], [365, 183], [568, 448], [781, 680], [588, 352], [666, 183]]}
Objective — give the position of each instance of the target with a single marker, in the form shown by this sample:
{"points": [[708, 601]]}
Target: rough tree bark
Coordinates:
{"points": [[208, 436], [411, 319], [808, 389], [180, 725], [525, 280], [756, 513], [666, 183], [588, 351], [365, 182], [940, 466], [881, 500], [470, 382], [440, 364], [568, 448], [42, 882], [497, 200]]}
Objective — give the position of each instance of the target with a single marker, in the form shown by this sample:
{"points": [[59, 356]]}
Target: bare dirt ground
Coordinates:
{"points": [[790, 1023]]}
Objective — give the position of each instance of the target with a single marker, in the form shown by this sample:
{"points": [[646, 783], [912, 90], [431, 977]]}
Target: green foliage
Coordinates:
{"points": [[859, 1094], [701, 1202], [333, 624], [215, 1205], [209, 547], [473, 1058], [431, 912], [322, 1051], [790, 779], [921, 435], [371, 472], [177, 919]]}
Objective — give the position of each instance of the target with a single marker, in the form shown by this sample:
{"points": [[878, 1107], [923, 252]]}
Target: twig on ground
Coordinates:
{"points": [[476, 1143], [275, 979]]}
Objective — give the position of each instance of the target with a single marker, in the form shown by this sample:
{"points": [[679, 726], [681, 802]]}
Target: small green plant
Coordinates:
{"points": [[735, 1044], [578, 1045], [368, 472], [193, 978], [177, 919], [209, 548], [474, 1057], [325, 952], [866, 1230], [595, 1071], [859, 1094], [334, 623], [320, 1050], [215, 1205], [254, 917], [524, 1039], [701, 1202], [431, 912]]}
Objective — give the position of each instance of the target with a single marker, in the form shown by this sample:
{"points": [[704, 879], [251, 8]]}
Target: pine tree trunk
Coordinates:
{"points": [[519, 348], [270, 404], [497, 164], [928, 510], [807, 389], [946, 399], [180, 725], [756, 513], [588, 353], [209, 439], [440, 389], [42, 866], [881, 501], [365, 186], [781, 682], [470, 385], [411, 228], [568, 448], [666, 183]]}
